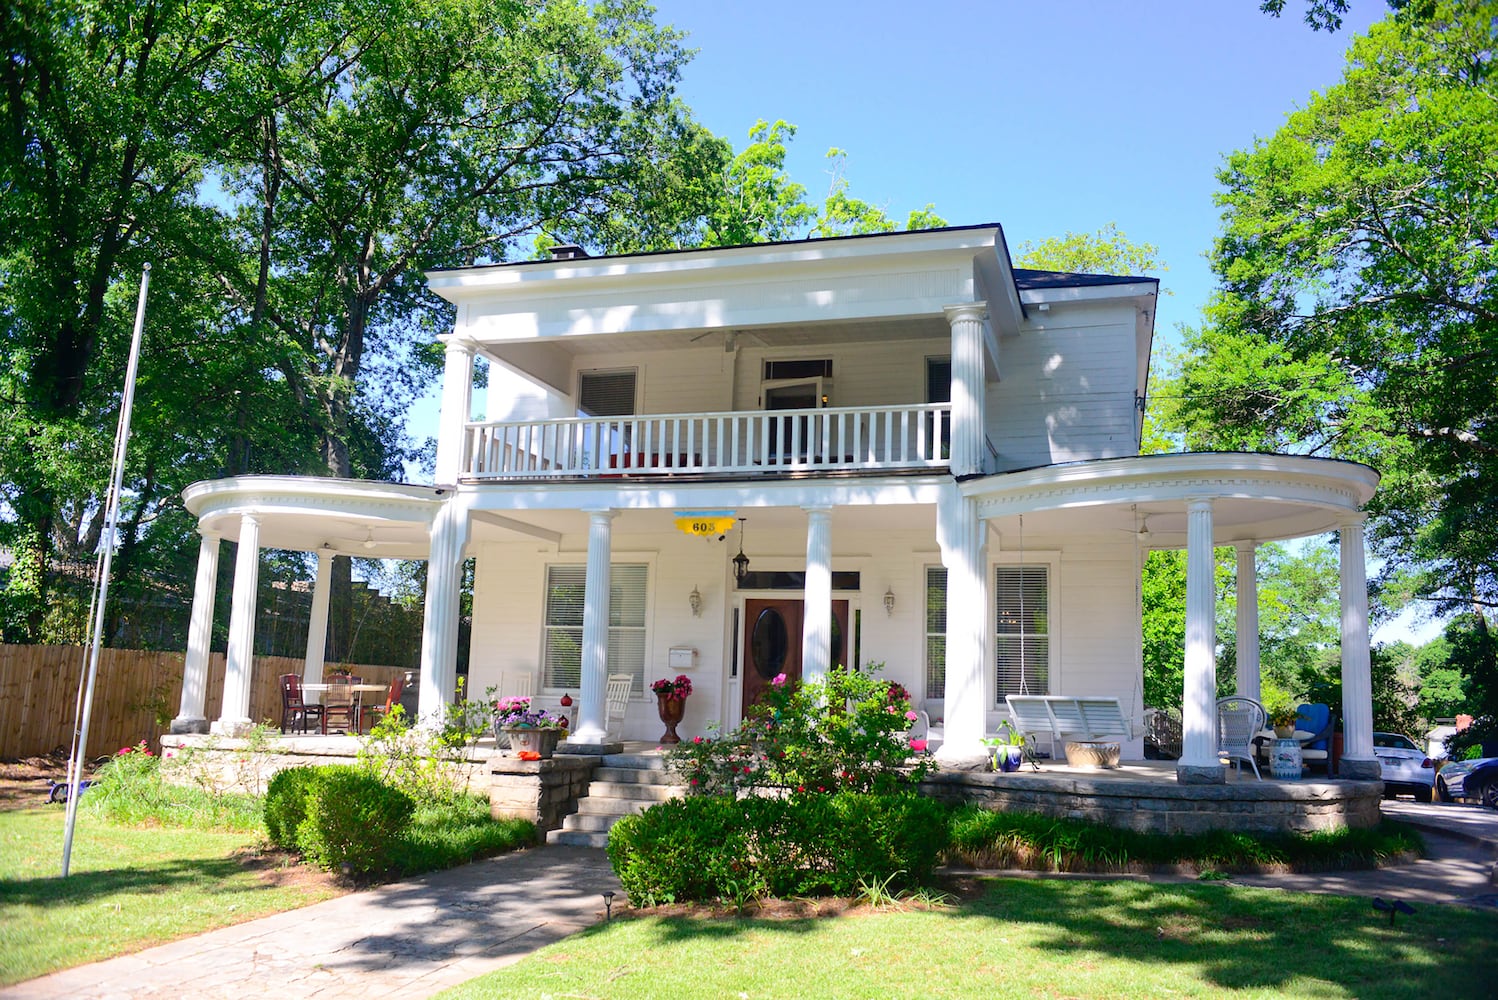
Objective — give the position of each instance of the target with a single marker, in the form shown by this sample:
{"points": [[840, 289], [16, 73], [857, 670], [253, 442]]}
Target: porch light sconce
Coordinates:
{"points": [[889, 601], [740, 561], [695, 600]]}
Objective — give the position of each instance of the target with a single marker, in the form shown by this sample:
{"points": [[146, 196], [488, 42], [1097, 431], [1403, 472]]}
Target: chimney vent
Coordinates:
{"points": [[568, 251]]}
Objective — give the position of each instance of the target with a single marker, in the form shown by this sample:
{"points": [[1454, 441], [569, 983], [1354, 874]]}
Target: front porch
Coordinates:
{"points": [[1142, 795]]}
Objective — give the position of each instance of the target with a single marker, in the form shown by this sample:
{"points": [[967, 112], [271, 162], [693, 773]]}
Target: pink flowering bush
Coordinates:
{"points": [[676, 690], [846, 731]]}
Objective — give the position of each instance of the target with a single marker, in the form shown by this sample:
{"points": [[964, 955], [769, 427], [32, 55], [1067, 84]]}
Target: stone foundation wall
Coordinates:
{"points": [[1161, 807], [542, 791]]}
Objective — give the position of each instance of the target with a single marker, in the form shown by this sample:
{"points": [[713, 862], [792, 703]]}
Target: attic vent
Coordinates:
{"points": [[568, 251]]}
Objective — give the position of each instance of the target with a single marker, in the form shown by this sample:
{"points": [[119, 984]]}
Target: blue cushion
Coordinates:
{"points": [[1313, 719]]}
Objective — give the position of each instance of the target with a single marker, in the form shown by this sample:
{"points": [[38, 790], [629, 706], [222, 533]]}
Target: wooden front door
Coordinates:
{"points": [[772, 642]]}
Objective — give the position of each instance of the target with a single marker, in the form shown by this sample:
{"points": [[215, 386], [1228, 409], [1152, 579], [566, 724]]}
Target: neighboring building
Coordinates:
{"points": [[928, 457]]}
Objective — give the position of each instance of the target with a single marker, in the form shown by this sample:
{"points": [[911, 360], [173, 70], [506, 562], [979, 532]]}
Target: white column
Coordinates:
{"points": [[592, 721], [1248, 621], [240, 663], [317, 625], [964, 552], [816, 624], [968, 387], [439, 626], [190, 716], [1198, 763], [1357, 679], [457, 410]]}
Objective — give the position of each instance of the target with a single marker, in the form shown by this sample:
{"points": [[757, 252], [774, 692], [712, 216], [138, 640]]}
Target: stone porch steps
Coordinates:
{"points": [[625, 785]]}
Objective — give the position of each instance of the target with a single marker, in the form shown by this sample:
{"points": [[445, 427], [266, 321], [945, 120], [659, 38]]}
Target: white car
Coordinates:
{"points": [[1406, 768]]}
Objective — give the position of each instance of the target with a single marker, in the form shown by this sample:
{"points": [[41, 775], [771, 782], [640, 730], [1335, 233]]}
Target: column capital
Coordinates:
{"points": [[458, 344], [209, 534], [598, 515], [1251, 545], [1194, 504], [822, 509], [1356, 519], [976, 311]]}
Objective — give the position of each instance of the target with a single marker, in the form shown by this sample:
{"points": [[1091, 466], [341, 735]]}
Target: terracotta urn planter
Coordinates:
{"points": [[540, 741], [670, 711]]}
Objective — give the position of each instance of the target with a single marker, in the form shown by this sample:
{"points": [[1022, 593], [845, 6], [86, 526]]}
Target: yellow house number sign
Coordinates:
{"points": [[704, 523]]}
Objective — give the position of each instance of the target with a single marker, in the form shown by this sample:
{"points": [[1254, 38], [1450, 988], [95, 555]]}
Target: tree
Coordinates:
{"points": [[1359, 309], [1107, 251]]}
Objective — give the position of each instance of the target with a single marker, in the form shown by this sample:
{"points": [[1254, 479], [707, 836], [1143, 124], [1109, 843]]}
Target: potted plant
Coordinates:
{"points": [[529, 731], [671, 703], [1008, 748], [1281, 717]]}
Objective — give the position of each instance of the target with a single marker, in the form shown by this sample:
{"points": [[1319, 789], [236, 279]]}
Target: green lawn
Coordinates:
{"points": [[130, 888], [1023, 938]]}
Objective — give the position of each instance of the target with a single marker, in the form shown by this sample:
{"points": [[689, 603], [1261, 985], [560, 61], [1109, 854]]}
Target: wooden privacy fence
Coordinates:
{"points": [[136, 695]]}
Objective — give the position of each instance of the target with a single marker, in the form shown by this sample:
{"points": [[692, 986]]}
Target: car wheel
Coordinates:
{"points": [[1488, 795], [1422, 794], [1441, 791]]}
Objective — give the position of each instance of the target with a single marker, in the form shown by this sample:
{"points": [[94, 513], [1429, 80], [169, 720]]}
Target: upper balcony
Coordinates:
{"points": [[791, 442]]}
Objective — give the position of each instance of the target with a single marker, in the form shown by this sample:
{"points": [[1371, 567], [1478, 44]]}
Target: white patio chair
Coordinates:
{"points": [[516, 685], [616, 701], [1239, 720]]}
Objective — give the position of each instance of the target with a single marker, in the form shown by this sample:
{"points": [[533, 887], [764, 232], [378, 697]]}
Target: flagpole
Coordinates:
{"points": [[111, 526]]}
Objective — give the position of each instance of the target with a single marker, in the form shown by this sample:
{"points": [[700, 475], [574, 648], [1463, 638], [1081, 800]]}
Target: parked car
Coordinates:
{"points": [[1475, 779], [1406, 768]]}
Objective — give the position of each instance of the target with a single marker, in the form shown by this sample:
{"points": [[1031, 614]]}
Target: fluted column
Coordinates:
{"points": [[317, 625], [592, 717], [964, 552], [239, 664], [816, 627], [1198, 763], [1357, 679], [457, 410], [439, 626], [1248, 621], [190, 716], [968, 392]]}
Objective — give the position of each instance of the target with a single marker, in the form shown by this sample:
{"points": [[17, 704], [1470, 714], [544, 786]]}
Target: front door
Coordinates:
{"points": [[772, 642]]}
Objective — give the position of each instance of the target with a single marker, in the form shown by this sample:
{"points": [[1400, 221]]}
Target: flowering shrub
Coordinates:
{"points": [[676, 690], [846, 731]]}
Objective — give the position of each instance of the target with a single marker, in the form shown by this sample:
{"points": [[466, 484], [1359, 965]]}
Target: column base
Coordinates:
{"points": [[181, 726], [1194, 774], [233, 728], [1359, 770], [963, 757]]}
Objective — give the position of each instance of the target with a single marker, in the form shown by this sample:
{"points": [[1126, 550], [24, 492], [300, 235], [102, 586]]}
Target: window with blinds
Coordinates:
{"points": [[1022, 641], [606, 393], [936, 632], [565, 592]]}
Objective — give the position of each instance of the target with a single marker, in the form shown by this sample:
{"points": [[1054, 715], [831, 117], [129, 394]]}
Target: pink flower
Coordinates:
{"points": [[779, 681], [694, 781], [919, 746], [746, 769], [696, 739], [911, 716]]}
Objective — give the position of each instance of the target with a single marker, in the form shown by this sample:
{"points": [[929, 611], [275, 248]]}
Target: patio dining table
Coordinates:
{"points": [[357, 691]]}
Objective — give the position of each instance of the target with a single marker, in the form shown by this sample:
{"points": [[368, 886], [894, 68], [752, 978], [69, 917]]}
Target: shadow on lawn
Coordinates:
{"points": [[86, 887]]}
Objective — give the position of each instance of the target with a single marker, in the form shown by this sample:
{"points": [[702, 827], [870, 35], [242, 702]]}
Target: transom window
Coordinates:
{"points": [[565, 595]]}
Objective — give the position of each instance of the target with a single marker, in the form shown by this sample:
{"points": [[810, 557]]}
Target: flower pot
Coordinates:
{"points": [[1284, 732], [541, 741], [670, 711]]}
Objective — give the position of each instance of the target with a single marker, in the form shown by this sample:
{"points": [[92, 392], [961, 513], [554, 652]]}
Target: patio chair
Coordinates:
{"points": [[616, 702], [392, 698], [1314, 726], [338, 704], [516, 685], [294, 711], [1239, 721]]}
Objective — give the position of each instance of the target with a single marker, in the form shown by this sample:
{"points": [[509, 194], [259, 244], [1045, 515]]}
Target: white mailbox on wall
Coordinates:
{"points": [[681, 658]]}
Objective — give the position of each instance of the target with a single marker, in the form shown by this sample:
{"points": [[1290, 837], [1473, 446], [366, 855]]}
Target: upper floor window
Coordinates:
{"points": [[606, 393]]}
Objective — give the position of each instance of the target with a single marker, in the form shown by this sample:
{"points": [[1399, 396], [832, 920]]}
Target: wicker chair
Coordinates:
{"points": [[1239, 721]]}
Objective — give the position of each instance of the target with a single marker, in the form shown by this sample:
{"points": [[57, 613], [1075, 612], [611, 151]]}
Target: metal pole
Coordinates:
{"points": [[111, 527]]}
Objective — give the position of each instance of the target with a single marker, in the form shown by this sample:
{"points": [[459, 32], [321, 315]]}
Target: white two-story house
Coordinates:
{"points": [[740, 462]]}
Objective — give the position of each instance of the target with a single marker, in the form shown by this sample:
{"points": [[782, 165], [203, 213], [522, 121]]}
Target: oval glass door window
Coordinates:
{"points": [[769, 643]]}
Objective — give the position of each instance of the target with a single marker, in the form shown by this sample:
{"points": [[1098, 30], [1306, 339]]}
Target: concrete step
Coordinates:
{"points": [[632, 790], [635, 761], [589, 822], [592, 806], [634, 776], [577, 838]]}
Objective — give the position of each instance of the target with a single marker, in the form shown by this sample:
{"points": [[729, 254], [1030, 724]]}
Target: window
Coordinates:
{"points": [[606, 393], [777, 370], [936, 632], [1022, 645], [564, 624]]}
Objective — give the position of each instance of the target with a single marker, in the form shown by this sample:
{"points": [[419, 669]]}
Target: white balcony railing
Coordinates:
{"points": [[769, 442]]}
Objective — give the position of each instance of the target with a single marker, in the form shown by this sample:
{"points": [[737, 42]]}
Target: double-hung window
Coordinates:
{"points": [[1022, 640], [563, 640], [936, 632]]}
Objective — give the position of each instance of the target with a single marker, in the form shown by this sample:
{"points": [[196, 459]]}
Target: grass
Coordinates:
{"points": [[130, 888], [1024, 938]]}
